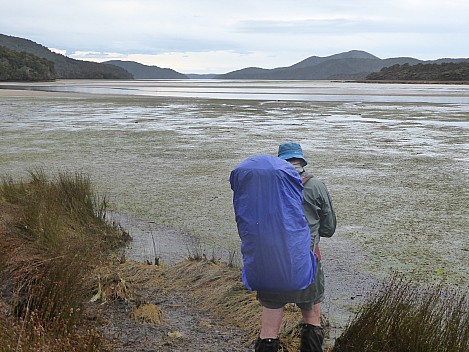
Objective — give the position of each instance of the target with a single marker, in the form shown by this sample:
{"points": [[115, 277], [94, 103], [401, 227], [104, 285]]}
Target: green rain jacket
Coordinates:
{"points": [[318, 209]]}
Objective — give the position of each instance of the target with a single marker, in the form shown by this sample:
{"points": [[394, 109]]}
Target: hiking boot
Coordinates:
{"points": [[267, 345], [312, 338]]}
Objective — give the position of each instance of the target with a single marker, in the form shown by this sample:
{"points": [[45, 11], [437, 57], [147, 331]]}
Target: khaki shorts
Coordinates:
{"points": [[304, 299]]}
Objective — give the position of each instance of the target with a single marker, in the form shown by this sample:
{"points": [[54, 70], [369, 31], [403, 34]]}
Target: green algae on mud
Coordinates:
{"points": [[397, 172]]}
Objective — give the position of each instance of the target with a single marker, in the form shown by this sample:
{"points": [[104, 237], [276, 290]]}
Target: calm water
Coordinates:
{"points": [[270, 90], [395, 157]]}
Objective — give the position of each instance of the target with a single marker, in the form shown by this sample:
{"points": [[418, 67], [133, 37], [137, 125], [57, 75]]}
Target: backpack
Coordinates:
{"points": [[275, 238]]}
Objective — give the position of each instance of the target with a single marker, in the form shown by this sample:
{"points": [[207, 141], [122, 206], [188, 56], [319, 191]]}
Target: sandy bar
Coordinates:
{"points": [[30, 93], [44, 94], [20, 93]]}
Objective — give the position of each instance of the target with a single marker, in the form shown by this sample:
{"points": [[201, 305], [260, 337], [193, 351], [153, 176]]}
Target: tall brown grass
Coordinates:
{"points": [[217, 288], [57, 235], [411, 317], [401, 316]]}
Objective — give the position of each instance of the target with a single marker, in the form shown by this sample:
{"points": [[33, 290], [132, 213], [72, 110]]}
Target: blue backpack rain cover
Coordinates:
{"points": [[275, 238]]}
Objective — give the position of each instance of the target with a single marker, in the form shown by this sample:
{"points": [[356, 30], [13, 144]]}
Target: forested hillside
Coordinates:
{"points": [[16, 66], [452, 72], [65, 67], [140, 71]]}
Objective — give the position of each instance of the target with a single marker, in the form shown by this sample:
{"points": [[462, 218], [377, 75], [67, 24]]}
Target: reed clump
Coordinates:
{"points": [[52, 236], [407, 316]]}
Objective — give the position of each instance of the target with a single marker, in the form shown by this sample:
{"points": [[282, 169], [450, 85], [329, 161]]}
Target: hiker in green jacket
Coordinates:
{"points": [[319, 213]]}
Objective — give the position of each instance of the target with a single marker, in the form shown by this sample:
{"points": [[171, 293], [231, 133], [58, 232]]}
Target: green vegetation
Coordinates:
{"points": [[53, 233], [404, 316], [65, 67], [450, 71], [16, 66]]}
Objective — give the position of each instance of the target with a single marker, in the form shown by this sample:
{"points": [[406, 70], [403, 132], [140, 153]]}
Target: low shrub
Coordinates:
{"points": [[407, 316]]}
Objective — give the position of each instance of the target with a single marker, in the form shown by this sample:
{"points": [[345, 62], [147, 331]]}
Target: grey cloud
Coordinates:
{"points": [[342, 26], [303, 26]]}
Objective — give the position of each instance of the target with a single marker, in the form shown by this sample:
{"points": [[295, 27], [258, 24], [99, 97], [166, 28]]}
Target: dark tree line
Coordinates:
{"points": [[21, 66], [424, 72], [65, 67]]}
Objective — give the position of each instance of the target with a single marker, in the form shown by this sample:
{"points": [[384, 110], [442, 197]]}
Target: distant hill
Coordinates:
{"points": [[65, 67], [444, 71], [140, 71], [201, 75], [355, 64]]}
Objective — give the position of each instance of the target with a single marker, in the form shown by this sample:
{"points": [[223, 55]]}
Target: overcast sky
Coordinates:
{"points": [[218, 36]]}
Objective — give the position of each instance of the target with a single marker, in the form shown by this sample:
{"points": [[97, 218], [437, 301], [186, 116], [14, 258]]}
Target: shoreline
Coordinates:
{"points": [[385, 81], [347, 284]]}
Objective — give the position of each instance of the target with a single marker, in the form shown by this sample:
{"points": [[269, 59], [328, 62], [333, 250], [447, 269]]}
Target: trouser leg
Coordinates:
{"points": [[312, 338]]}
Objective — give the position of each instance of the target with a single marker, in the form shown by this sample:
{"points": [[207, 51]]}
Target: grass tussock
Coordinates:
{"points": [[33, 333], [53, 235], [217, 288], [405, 316], [147, 313]]}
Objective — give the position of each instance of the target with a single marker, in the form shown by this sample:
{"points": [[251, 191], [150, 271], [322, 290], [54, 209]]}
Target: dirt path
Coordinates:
{"points": [[181, 325]]}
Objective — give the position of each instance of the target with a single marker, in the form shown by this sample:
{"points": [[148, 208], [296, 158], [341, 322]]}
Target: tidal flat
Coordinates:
{"points": [[398, 172]]}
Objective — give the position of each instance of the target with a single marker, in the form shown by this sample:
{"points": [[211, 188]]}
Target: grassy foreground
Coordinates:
{"points": [[54, 247], [401, 315], [53, 233]]}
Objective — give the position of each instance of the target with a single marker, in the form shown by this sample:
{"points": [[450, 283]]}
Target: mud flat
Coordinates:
{"points": [[398, 172]]}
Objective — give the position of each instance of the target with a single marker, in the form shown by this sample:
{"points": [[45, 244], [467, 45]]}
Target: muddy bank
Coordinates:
{"points": [[347, 284], [181, 324]]}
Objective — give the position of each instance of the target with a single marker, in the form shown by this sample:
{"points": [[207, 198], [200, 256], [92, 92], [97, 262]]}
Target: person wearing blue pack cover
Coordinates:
{"points": [[319, 212], [275, 241]]}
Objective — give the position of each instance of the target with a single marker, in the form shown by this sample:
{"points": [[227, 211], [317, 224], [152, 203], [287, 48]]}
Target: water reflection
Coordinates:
{"points": [[268, 90]]}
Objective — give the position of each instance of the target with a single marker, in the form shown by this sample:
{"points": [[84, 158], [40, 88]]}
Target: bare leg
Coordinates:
{"points": [[312, 334], [271, 322], [312, 316]]}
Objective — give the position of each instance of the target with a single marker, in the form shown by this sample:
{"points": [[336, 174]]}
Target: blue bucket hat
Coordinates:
{"points": [[291, 150]]}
